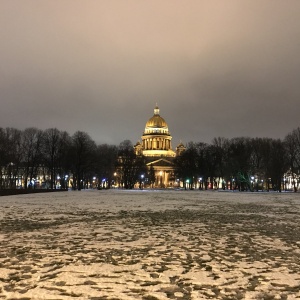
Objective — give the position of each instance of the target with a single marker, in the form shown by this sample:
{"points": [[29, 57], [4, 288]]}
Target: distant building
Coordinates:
{"points": [[156, 146]]}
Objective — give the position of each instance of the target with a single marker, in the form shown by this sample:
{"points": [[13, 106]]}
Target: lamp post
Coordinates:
{"points": [[187, 183], [58, 185], [141, 181], [269, 182], [115, 179], [252, 183], [66, 182], [284, 183], [200, 183], [233, 184]]}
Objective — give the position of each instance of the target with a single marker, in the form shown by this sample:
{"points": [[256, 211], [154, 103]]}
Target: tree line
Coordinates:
{"points": [[241, 163], [54, 154], [244, 163]]}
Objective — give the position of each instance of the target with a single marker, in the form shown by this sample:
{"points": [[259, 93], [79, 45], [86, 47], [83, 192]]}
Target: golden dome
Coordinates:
{"points": [[156, 121]]}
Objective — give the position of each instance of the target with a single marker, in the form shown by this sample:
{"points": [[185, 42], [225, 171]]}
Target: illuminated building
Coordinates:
{"points": [[156, 146]]}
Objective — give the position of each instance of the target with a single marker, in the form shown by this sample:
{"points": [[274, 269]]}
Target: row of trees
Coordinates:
{"points": [[55, 153], [57, 156], [244, 163], [27, 153]]}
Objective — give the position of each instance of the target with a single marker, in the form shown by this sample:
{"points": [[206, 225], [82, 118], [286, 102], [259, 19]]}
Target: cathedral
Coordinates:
{"points": [[156, 146]]}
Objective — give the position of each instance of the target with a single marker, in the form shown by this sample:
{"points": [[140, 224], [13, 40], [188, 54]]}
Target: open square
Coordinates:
{"points": [[159, 244]]}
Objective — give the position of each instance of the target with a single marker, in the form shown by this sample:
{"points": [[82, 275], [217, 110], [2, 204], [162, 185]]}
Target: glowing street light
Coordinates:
{"points": [[200, 183], [187, 182], [141, 181], [232, 183], [284, 183], [115, 179], [252, 183]]}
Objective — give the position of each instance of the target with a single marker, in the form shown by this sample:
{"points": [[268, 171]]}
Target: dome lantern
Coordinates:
{"points": [[156, 110]]}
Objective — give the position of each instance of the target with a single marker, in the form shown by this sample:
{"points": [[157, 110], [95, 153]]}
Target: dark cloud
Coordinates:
{"points": [[215, 69]]}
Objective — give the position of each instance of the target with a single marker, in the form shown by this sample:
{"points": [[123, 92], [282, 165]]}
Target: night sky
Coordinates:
{"points": [[215, 68]]}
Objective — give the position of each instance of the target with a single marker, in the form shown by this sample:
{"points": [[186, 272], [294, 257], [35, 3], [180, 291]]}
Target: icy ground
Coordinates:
{"points": [[150, 245]]}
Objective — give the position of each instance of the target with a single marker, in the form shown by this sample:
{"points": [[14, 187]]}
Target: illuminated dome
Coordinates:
{"points": [[156, 139], [156, 124], [157, 121]]}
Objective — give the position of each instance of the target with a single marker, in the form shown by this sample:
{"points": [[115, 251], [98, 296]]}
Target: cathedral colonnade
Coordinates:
{"points": [[156, 143]]}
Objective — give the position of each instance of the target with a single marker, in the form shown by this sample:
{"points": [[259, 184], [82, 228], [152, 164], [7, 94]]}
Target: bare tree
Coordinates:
{"points": [[129, 165], [10, 156], [239, 163], [55, 147], [82, 154], [50, 146], [278, 163], [221, 145], [14, 155], [292, 142], [104, 163], [31, 147]]}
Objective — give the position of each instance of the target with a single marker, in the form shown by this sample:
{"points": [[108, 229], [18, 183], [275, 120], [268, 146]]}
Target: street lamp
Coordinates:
{"points": [[66, 181], [141, 181], [115, 179], [284, 183], [187, 183], [252, 182], [200, 183], [269, 183]]}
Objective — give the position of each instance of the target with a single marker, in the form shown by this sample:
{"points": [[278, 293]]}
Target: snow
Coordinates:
{"points": [[150, 244]]}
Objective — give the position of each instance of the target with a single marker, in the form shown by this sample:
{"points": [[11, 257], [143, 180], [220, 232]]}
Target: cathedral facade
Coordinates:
{"points": [[156, 147]]}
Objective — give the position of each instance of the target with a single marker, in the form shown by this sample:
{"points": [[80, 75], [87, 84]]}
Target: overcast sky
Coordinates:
{"points": [[215, 68]]}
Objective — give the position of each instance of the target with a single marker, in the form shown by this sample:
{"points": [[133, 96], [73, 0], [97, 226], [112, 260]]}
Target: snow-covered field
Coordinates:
{"points": [[150, 245]]}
